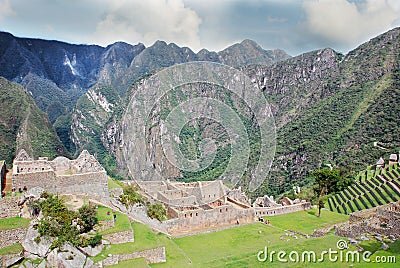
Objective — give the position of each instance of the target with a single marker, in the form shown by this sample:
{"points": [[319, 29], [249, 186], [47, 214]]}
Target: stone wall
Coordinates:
{"points": [[272, 211], [155, 255], [199, 219], [9, 260], [10, 237], [211, 191], [363, 227], [105, 225], [93, 184], [9, 207], [181, 201], [43, 179], [120, 237], [32, 166], [380, 220], [116, 192]]}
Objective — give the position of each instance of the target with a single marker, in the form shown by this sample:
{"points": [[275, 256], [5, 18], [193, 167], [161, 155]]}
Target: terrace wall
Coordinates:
{"points": [[199, 219]]}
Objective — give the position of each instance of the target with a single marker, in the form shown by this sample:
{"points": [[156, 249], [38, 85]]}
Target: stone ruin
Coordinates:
{"points": [[203, 205], [393, 159], [382, 220], [81, 176]]}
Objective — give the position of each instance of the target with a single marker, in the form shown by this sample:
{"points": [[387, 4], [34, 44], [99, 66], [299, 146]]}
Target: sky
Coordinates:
{"points": [[296, 26]]}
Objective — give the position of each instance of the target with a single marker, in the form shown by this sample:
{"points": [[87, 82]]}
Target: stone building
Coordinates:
{"points": [[393, 159], [381, 220], [205, 205], [83, 175]]}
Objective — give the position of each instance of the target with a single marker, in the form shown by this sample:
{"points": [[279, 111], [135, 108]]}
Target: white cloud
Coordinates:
{"points": [[136, 21], [6, 9], [348, 24]]}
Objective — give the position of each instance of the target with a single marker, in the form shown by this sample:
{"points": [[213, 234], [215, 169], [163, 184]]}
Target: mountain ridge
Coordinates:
{"points": [[329, 107]]}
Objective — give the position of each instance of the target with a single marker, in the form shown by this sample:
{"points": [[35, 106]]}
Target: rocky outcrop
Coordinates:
{"points": [[34, 249], [10, 260], [68, 257], [293, 85]]}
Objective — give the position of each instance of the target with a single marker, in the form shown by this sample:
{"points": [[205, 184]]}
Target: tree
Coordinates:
{"points": [[326, 181], [88, 216]]}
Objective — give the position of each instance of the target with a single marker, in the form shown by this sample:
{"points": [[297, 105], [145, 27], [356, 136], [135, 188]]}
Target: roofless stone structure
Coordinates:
{"points": [[83, 175]]}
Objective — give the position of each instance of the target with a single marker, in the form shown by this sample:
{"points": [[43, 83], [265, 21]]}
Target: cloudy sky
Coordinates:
{"points": [[293, 25]]}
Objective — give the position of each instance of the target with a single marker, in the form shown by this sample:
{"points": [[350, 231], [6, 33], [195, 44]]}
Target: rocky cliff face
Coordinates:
{"points": [[295, 84], [120, 69], [328, 107], [341, 111]]}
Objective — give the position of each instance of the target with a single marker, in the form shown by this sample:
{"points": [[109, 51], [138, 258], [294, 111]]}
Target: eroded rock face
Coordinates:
{"points": [[92, 251], [40, 249], [68, 257]]}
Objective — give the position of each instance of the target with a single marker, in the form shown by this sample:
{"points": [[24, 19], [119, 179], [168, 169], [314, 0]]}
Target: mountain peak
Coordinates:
{"points": [[250, 43]]}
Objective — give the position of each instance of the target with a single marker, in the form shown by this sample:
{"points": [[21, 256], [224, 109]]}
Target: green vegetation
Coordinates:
{"points": [[341, 128], [144, 239], [19, 114], [131, 196], [66, 225], [157, 211], [94, 117], [122, 222], [13, 249], [307, 221], [113, 184], [13, 223], [328, 181], [137, 263], [372, 188], [238, 247]]}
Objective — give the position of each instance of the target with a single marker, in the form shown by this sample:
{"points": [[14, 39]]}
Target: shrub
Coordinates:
{"points": [[95, 240], [131, 196], [88, 216], [63, 224], [157, 211]]}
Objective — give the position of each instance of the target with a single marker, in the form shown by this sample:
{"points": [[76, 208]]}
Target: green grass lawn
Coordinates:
{"points": [[307, 221], [102, 213], [238, 246], [113, 183], [13, 223], [13, 249], [122, 224], [145, 238], [137, 263]]}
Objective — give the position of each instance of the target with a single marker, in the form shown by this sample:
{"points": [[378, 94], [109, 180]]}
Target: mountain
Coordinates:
{"points": [[58, 73], [249, 52], [331, 109], [24, 126]]}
